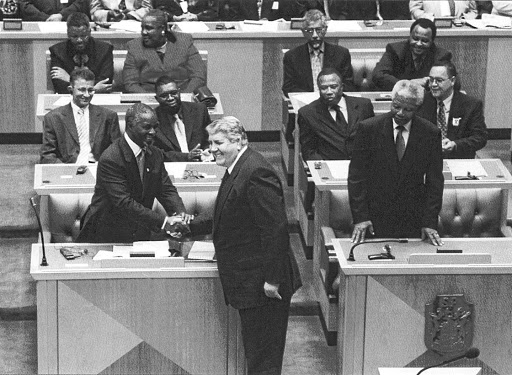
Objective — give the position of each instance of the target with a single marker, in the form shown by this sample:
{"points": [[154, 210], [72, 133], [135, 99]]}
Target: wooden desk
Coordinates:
{"points": [[246, 66], [382, 305], [434, 371], [324, 180], [116, 102], [99, 320]]}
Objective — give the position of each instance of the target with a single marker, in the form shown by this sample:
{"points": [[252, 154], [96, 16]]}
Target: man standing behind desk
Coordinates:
{"points": [[78, 132], [459, 117], [81, 50], [328, 124], [257, 268], [410, 59], [162, 52], [395, 179], [182, 131], [131, 174]]}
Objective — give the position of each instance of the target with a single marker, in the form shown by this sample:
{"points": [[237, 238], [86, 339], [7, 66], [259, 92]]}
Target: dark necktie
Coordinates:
{"points": [[400, 142], [441, 119], [141, 158], [122, 5], [452, 7], [340, 120], [161, 55]]}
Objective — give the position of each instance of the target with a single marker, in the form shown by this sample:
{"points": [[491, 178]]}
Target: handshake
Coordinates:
{"points": [[176, 226]]}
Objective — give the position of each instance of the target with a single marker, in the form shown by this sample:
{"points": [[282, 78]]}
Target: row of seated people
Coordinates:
{"points": [[235, 10], [418, 59]]}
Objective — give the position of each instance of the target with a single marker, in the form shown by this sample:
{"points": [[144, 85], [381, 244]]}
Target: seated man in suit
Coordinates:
{"points": [[374, 9], [81, 50], [78, 132], [410, 59], [460, 117], [162, 52], [118, 10], [52, 10], [443, 8], [181, 134], [395, 178], [328, 125], [131, 174]]}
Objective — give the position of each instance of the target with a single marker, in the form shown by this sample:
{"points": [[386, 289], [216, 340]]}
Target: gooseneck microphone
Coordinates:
{"points": [[34, 204], [351, 254], [471, 353]]}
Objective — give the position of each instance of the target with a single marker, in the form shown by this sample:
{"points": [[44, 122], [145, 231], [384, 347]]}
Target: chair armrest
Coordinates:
{"points": [[327, 235]]}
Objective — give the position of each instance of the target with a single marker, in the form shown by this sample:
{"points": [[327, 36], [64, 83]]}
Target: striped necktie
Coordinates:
{"points": [[83, 138], [141, 159], [441, 119]]}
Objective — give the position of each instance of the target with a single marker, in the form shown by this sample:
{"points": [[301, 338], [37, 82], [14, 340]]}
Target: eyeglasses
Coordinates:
{"points": [[81, 37], [437, 80], [311, 30], [84, 90], [165, 95]]}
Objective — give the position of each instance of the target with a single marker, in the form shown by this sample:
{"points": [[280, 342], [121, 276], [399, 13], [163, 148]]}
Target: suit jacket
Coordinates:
{"points": [[398, 197], [503, 8], [60, 135], [120, 210], [321, 138], [40, 10], [298, 76], [250, 234], [100, 61], [137, 8], [367, 9], [397, 63], [466, 123], [182, 63], [419, 8], [195, 117]]}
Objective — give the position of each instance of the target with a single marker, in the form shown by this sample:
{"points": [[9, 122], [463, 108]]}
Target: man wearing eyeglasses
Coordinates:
{"points": [[81, 50], [181, 134], [459, 117], [78, 132]]}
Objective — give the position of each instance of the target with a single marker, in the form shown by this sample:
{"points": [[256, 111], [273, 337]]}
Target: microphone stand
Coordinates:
{"points": [[351, 253], [44, 263]]}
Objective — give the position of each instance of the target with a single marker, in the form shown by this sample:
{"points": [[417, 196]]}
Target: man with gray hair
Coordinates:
{"points": [[257, 268], [395, 180]]}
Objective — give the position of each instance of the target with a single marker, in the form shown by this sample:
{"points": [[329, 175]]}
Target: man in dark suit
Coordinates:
{"points": [[328, 124], [181, 134], [162, 52], [131, 174], [52, 10], [460, 117], [410, 59], [81, 50], [257, 268], [395, 180], [78, 132]]}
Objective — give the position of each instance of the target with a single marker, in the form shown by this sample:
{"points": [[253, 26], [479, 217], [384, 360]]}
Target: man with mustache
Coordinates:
{"points": [[410, 59], [130, 175], [395, 179]]}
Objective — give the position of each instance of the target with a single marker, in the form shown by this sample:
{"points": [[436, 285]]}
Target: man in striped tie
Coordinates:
{"points": [[78, 132]]}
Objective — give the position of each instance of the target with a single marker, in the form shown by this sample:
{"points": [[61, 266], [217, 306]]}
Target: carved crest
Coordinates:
{"points": [[449, 324]]}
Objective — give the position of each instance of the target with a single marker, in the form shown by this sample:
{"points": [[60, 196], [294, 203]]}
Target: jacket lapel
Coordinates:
{"points": [[185, 115], [94, 121], [388, 146], [168, 131], [131, 167], [411, 152], [323, 113], [353, 113], [307, 71], [69, 123]]}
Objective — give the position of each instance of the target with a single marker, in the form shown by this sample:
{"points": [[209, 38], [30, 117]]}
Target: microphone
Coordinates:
{"points": [[471, 353], [351, 253], [34, 204]]}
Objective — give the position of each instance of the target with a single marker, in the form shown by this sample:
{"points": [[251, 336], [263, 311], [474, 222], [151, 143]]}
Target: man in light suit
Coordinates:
{"points": [[257, 268], [78, 132], [395, 180], [118, 10], [81, 50], [52, 10], [328, 125], [131, 174], [443, 8], [461, 119], [162, 52], [181, 134], [410, 59]]}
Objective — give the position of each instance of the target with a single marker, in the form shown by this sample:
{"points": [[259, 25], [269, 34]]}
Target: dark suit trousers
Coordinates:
{"points": [[264, 336]]}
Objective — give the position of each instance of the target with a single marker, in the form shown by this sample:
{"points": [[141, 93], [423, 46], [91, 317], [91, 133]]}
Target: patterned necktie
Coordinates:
{"points": [[316, 67], [141, 158], [400, 142], [441, 119], [83, 138], [340, 120], [452, 7]]}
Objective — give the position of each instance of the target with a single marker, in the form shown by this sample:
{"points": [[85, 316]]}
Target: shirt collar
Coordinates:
{"points": [[136, 149], [448, 101], [342, 104], [406, 126], [320, 50], [76, 108], [232, 166], [162, 48]]}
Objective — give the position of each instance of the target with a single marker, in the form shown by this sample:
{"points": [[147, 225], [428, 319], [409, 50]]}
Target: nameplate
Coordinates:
{"points": [[472, 258], [14, 24]]}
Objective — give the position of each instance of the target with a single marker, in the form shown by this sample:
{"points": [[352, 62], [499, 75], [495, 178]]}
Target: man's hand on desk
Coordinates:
{"points": [[59, 73], [431, 235], [272, 290], [359, 232], [103, 86], [448, 146], [54, 18]]}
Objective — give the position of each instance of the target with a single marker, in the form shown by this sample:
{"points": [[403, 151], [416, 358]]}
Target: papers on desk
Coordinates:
{"points": [[193, 27], [491, 20], [127, 25], [344, 26], [176, 169], [260, 26], [304, 98], [202, 251], [120, 256], [338, 168], [53, 27], [461, 168]]}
